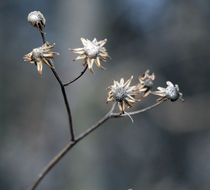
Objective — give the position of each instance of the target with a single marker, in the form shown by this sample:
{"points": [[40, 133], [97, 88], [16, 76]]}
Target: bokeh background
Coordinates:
{"points": [[167, 148]]}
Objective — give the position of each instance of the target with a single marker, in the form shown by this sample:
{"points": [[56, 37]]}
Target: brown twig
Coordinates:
{"points": [[63, 92], [66, 103], [66, 84], [116, 115], [42, 33], [43, 37], [69, 146]]}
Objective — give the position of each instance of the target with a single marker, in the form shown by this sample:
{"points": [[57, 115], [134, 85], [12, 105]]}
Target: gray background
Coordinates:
{"points": [[166, 148]]}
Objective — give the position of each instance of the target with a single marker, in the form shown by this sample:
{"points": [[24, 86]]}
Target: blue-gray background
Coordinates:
{"points": [[166, 148]]}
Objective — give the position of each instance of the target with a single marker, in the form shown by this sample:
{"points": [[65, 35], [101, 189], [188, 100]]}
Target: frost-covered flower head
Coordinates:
{"points": [[41, 55], [123, 94], [37, 19], [146, 83], [92, 52], [171, 92]]}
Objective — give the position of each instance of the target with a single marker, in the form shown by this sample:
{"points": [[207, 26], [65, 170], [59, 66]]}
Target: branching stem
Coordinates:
{"points": [[71, 144], [63, 92], [66, 84], [66, 103], [74, 140]]}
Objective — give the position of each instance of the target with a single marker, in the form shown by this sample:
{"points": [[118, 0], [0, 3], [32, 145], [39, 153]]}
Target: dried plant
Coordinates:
{"points": [[171, 92], [92, 52], [146, 83], [123, 94], [36, 18], [120, 93], [41, 55]]}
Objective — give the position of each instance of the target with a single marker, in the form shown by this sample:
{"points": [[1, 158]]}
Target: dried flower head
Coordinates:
{"points": [[37, 19], [41, 55], [171, 92], [146, 83], [93, 51], [123, 94]]}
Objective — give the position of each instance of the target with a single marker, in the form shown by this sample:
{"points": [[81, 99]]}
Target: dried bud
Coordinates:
{"points": [[93, 51], [37, 19], [41, 55], [171, 92], [146, 83], [123, 94]]}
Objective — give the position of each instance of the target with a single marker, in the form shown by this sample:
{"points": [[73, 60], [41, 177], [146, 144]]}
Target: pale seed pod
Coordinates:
{"points": [[37, 19]]}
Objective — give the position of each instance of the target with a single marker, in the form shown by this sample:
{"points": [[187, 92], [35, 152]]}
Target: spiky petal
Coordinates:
{"points": [[122, 93], [171, 92], [41, 55], [92, 52]]}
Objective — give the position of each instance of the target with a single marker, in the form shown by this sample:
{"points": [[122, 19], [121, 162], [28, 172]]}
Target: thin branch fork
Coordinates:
{"points": [[66, 84], [63, 91], [80, 75], [71, 144], [66, 103]]}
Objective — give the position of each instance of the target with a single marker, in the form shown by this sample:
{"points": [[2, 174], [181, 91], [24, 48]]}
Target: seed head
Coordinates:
{"points": [[123, 94], [92, 52], [37, 19], [41, 55], [171, 92]]}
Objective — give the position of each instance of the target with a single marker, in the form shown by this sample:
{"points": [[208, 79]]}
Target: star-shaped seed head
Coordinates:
{"points": [[123, 94], [92, 52], [146, 83], [41, 55], [37, 19], [171, 92]]}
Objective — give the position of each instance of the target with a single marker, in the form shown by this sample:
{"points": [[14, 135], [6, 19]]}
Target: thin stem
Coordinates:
{"points": [[66, 84], [42, 34], [116, 115], [63, 91], [43, 37], [52, 163], [66, 103], [100, 122], [69, 146]]}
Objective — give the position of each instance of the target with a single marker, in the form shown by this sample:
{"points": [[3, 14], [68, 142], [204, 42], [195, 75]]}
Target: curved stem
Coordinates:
{"points": [[116, 115], [69, 146], [66, 84]]}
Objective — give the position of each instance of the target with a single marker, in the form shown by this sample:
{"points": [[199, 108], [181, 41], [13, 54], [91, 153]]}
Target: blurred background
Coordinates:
{"points": [[165, 148]]}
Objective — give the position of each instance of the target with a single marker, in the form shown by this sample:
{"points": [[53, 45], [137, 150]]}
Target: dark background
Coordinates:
{"points": [[166, 148]]}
